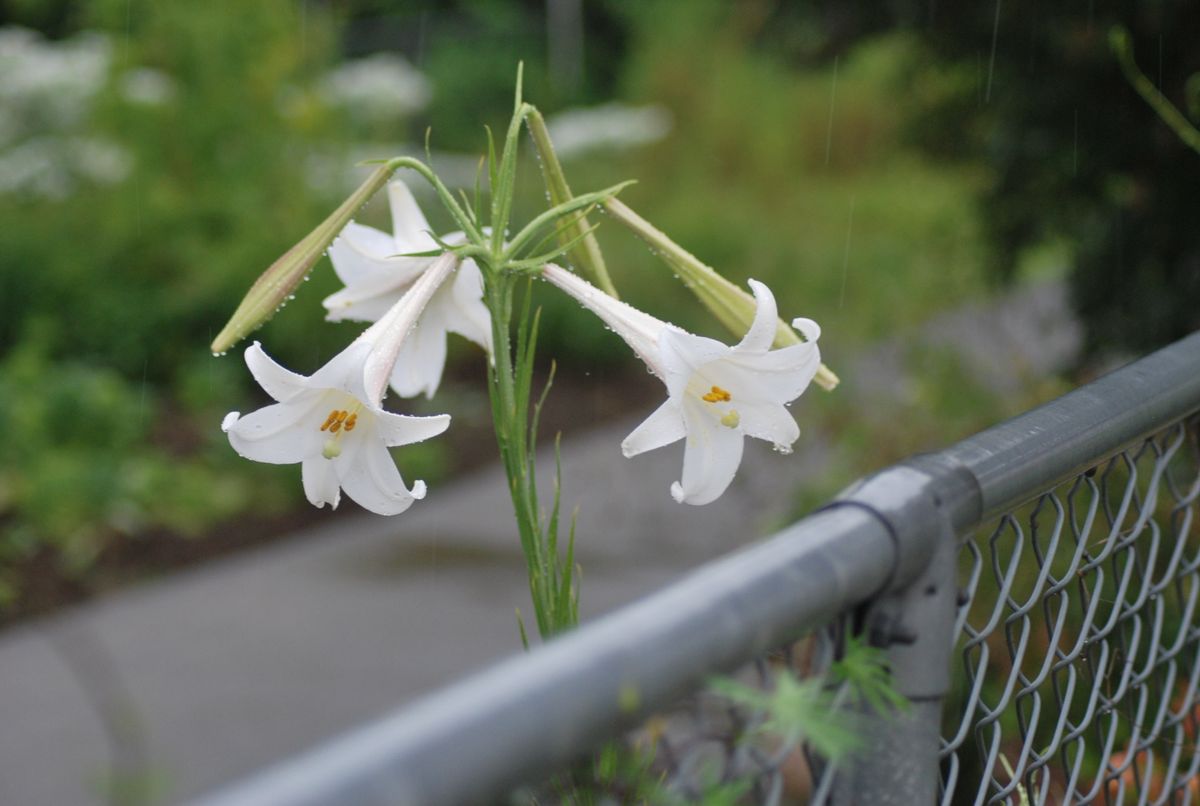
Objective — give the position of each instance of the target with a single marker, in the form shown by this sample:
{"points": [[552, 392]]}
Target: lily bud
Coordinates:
{"points": [[272, 289], [586, 252], [733, 307]]}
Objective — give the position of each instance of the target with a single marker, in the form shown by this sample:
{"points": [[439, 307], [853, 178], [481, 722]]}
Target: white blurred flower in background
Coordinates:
{"points": [[147, 87], [46, 95], [48, 85], [611, 126], [379, 88]]}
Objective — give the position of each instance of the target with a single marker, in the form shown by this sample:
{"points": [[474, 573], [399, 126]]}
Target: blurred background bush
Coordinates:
{"points": [[874, 163]]}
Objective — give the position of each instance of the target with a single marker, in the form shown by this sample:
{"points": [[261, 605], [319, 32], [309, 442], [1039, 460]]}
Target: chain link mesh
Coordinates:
{"points": [[1078, 640], [1078, 664], [709, 749]]}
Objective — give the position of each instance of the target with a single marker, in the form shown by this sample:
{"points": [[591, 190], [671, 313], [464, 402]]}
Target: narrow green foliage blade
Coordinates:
{"points": [[502, 191], [478, 200], [521, 627], [551, 216]]}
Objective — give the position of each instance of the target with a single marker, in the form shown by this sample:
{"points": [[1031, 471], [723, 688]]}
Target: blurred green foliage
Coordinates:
{"points": [[1077, 157], [797, 178], [109, 295]]}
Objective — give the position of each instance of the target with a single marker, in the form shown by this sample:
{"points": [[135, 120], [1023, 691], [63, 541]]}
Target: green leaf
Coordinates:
{"points": [[797, 710], [551, 216], [503, 189]]}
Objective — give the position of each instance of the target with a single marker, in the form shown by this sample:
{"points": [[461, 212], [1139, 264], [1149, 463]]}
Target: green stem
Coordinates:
{"points": [[559, 212], [1119, 38], [452, 206], [509, 392]]}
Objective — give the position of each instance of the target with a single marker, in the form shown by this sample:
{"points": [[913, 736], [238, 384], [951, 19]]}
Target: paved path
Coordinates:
{"points": [[240, 663]]}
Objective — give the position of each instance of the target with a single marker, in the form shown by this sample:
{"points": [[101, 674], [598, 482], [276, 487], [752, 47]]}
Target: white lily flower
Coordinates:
{"points": [[376, 274], [717, 394], [333, 422]]}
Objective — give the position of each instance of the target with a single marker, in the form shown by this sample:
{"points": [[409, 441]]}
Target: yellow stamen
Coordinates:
{"points": [[717, 395], [337, 421], [333, 423]]}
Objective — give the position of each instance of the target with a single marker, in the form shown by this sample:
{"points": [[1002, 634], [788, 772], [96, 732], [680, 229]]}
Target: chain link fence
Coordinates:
{"points": [[1034, 589], [1078, 642]]}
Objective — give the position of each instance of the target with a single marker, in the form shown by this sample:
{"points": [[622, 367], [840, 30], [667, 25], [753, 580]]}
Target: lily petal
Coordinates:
{"points": [[419, 364], [768, 421], [639, 330], [354, 303], [761, 334], [344, 371], [710, 458], [372, 480], [780, 375], [662, 427], [367, 240], [367, 274], [809, 329], [405, 429], [320, 482], [682, 353], [410, 229], [471, 319], [402, 325], [276, 434], [280, 383]]}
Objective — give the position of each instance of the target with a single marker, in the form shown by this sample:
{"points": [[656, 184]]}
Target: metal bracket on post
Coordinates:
{"points": [[913, 621]]}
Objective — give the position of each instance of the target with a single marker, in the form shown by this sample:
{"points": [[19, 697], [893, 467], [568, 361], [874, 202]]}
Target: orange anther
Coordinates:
{"points": [[717, 395], [333, 423], [351, 421]]}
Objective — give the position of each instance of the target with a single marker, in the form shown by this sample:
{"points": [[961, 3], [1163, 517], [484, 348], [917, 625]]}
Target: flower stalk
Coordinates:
{"points": [[1122, 45], [552, 575]]}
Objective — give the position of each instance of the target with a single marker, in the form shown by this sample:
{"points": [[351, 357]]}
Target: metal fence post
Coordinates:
{"points": [[914, 623]]}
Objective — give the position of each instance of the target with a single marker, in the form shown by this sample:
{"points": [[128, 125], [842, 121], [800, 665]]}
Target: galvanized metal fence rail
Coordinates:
{"points": [[1035, 587]]}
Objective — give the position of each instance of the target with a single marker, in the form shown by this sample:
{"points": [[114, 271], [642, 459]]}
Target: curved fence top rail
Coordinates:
{"points": [[1019, 458], [540, 711]]}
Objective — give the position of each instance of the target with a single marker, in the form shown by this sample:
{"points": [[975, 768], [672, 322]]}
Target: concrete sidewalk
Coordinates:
{"points": [[238, 664], [214, 673]]}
